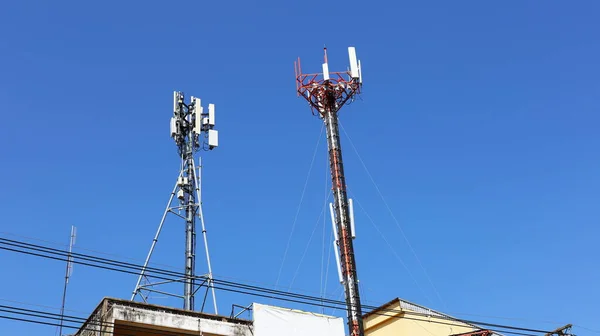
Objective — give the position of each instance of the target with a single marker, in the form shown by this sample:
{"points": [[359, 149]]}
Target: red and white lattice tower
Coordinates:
{"points": [[326, 93]]}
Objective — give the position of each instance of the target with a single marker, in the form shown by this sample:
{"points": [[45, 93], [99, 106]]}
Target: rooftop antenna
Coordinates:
{"points": [[192, 129], [326, 93], [68, 274]]}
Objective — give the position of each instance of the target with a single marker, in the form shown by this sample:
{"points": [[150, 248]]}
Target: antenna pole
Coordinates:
{"points": [[326, 93], [342, 218], [68, 272], [189, 202]]}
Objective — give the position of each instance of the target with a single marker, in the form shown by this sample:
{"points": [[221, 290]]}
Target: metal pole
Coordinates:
{"points": [[201, 215], [342, 218], [67, 275], [190, 223], [326, 95], [155, 240]]}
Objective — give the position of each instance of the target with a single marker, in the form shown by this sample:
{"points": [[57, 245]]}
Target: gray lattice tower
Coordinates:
{"points": [[192, 130]]}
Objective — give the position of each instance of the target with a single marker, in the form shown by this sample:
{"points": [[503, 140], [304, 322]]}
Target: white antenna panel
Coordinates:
{"points": [[351, 210], [325, 71], [335, 233], [359, 73], [175, 102], [198, 122], [173, 127], [198, 112], [337, 260], [213, 139], [182, 181], [353, 63], [211, 114]]}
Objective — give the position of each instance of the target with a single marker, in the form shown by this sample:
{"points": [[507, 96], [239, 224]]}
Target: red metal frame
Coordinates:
{"points": [[315, 89]]}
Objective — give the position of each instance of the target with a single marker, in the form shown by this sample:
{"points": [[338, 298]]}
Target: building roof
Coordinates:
{"points": [[171, 310], [406, 305], [108, 304]]}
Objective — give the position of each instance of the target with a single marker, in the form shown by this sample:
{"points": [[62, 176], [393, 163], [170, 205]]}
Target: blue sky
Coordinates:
{"points": [[478, 124]]}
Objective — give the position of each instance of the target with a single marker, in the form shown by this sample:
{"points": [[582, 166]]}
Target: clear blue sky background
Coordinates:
{"points": [[478, 123]]}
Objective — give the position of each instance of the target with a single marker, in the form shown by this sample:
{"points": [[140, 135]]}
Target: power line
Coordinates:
{"points": [[86, 323], [74, 319], [41, 306], [166, 267], [235, 286], [171, 273], [280, 295], [240, 280], [79, 248], [33, 321], [41, 314]]}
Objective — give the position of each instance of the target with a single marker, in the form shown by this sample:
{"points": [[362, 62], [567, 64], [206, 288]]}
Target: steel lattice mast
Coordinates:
{"points": [[326, 93], [192, 130]]}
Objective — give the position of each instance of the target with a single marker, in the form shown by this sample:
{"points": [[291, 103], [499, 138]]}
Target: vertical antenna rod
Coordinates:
{"points": [[326, 93], [68, 273]]}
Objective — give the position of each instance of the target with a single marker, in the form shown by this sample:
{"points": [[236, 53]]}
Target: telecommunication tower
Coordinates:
{"points": [[192, 129], [326, 93]]}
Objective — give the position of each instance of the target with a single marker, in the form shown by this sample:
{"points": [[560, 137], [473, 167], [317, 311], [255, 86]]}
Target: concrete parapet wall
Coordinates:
{"points": [[113, 317]]}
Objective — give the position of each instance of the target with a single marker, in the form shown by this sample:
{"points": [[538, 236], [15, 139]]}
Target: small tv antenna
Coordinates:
{"points": [[68, 274], [192, 129]]}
